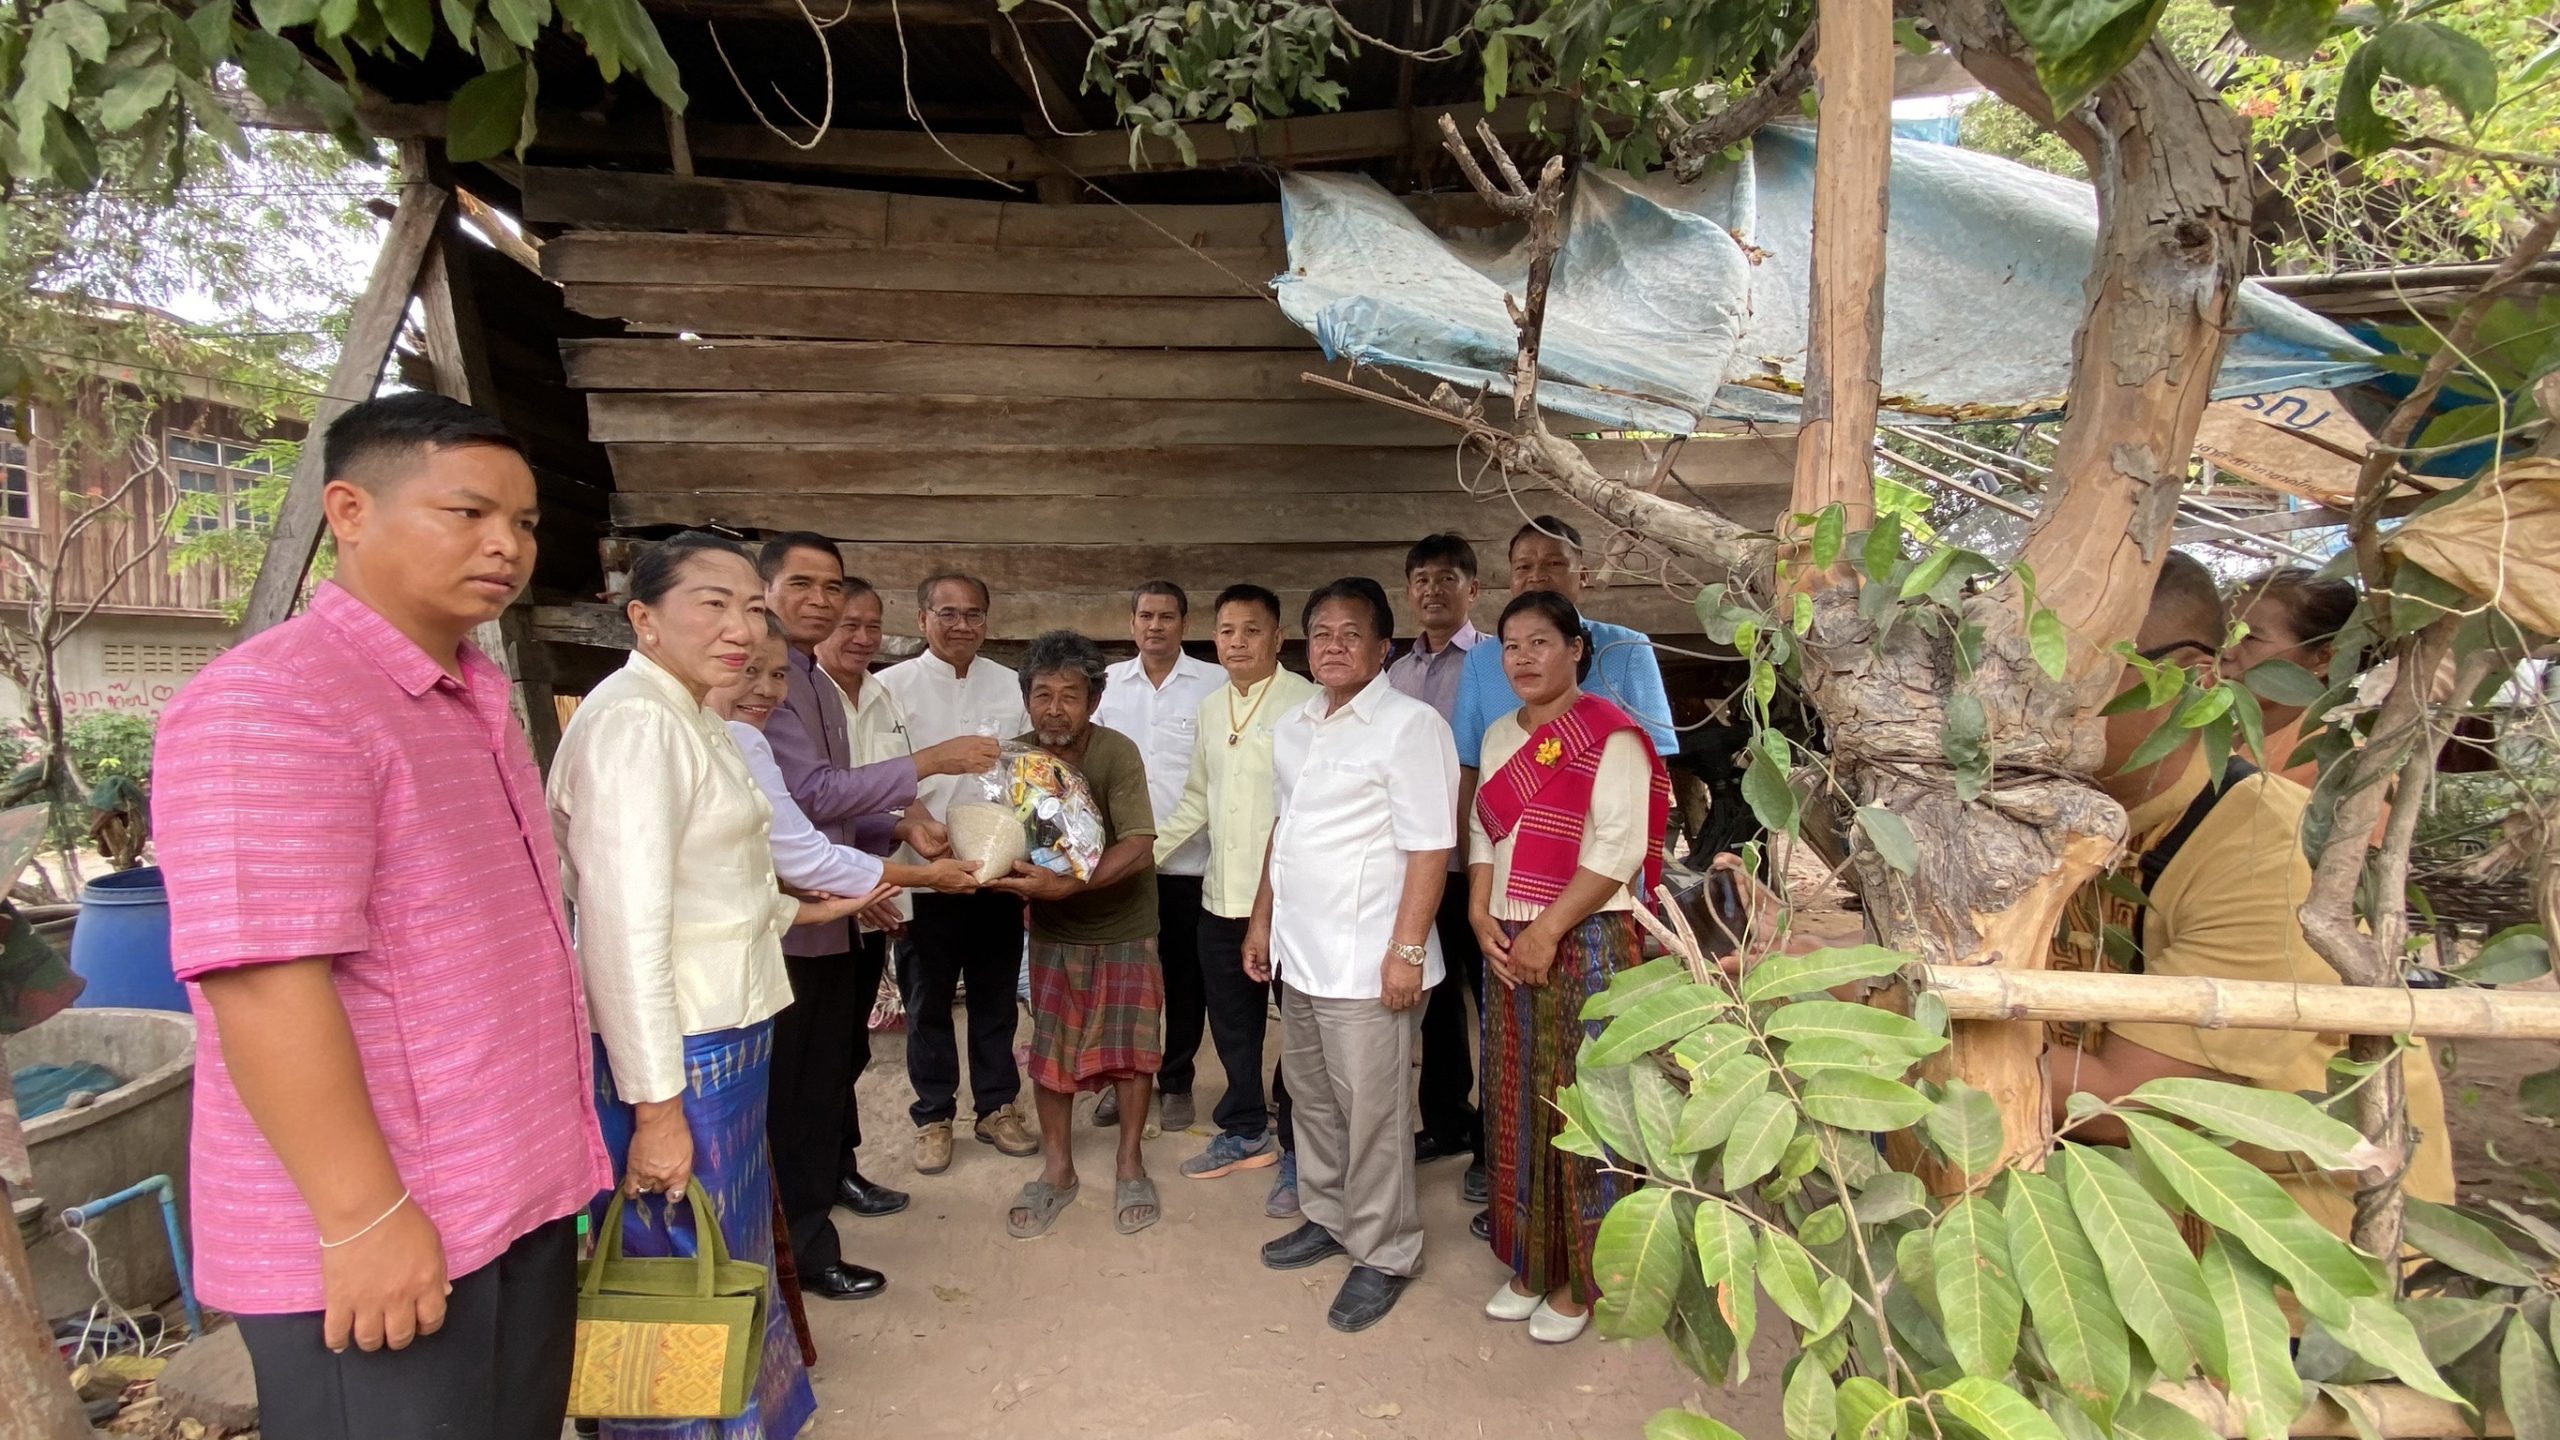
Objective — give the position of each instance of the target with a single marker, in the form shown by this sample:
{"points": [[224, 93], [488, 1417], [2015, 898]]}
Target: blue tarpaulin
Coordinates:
{"points": [[1672, 304]]}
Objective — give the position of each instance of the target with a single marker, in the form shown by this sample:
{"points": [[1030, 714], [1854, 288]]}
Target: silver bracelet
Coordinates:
{"points": [[369, 1229]]}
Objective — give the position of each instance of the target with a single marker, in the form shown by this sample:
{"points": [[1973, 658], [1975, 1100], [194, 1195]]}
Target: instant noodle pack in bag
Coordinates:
{"points": [[1030, 806]]}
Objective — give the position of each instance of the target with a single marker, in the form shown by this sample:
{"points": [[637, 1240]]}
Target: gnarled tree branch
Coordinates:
{"points": [[1688, 154]]}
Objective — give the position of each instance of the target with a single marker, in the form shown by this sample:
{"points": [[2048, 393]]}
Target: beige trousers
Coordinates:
{"points": [[1349, 1064]]}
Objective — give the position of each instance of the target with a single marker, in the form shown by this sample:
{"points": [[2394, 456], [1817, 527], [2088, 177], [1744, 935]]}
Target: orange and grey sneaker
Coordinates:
{"points": [[1005, 1131], [933, 1148]]}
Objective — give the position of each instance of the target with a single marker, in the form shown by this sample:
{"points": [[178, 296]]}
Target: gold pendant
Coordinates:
{"points": [[1232, 737]]}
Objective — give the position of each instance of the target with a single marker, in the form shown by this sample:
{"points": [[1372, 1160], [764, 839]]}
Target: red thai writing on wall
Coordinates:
{"points": [[143, 696]]}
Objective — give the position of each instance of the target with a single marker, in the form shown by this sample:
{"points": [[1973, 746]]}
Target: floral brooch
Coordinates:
{"points": [[1550, 750]]}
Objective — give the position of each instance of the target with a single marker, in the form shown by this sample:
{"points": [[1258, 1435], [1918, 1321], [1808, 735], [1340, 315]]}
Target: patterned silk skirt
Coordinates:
{"points": [[1097, 1014], [726, 1075], [1547, 1203]]}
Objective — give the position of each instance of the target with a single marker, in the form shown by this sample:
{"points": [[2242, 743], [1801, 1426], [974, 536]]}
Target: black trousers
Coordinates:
{"points": [[804, 1114], [1185, 997], [1448, 1057], [1239, 1012], [498, 1370], [979, 938], [870, 957]]}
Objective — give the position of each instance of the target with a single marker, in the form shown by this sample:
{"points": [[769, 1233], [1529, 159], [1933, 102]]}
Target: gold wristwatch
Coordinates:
{"points": [[1410, 954]]}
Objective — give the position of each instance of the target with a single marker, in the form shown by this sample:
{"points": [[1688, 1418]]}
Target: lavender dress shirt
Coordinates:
{"points": [[851, 805]]}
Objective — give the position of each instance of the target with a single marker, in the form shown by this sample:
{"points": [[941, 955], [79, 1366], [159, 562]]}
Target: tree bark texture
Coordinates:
{"points": [[36, 1401]]}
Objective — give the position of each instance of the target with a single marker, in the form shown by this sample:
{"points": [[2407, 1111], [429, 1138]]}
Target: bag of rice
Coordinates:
{"points": [[989, 837], [1030, 805]]}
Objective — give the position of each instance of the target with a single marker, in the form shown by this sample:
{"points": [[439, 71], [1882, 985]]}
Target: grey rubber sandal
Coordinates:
{"points": [[1042, 1203], [1127, 1195]]}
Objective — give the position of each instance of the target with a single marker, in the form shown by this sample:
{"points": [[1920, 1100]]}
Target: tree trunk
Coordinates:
{"points": [[36, 1402]]}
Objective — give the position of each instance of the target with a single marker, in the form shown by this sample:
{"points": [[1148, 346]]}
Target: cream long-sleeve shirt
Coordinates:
{"points": [[667, 864], [1613, 834], [1228, 790]]}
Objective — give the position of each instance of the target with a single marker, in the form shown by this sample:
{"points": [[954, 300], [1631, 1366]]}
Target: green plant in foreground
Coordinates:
{"points": [[2051, 1304]]}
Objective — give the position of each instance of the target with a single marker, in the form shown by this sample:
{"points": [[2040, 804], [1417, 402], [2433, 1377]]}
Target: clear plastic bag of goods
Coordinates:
{"points": [[1032, 806]]}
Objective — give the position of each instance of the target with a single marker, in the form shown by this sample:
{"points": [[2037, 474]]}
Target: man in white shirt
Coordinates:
{"points": [[1365, 787], [950, 691], [1155, 700]]}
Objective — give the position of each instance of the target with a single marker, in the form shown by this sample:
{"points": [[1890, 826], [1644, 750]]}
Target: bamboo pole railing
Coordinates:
{"points": [[2394, 1412], [1983, 992]]}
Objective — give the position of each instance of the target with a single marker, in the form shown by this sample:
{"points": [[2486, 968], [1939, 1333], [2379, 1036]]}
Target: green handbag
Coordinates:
{"points": [[667, 1339]]}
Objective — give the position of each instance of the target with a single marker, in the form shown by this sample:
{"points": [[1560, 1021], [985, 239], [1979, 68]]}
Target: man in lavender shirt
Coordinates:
{"points": [[820, 1045]]}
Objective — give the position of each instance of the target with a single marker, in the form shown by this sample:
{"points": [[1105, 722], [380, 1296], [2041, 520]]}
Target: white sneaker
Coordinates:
{"points": [[1548, 1327], [1510, 1304]]}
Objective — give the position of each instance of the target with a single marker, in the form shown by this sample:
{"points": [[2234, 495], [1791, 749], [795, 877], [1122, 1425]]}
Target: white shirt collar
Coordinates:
{"points": [[1363, 706]]}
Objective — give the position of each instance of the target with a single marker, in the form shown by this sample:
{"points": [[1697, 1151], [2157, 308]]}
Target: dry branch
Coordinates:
{"points": [[1688, 154]]}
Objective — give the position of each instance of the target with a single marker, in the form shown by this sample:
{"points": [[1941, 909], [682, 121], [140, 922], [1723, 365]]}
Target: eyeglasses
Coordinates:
{"points": [[2158, 653], [970, 618]]}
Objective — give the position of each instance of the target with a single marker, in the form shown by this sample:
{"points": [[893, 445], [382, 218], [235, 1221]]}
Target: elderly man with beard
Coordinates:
{"points": [[1365, 786], [1097, 991]]}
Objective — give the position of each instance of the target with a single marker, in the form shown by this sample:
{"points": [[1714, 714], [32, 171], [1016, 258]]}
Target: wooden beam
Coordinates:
{"points": [[1140, 322], [371, 329], [889, 367], [1853, 68], [606, 257], [1748, 470], [785, 418]]}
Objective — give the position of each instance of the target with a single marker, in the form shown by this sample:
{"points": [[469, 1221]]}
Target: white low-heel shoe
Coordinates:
{"points": [[1510, 1304], [1549, 1327]]}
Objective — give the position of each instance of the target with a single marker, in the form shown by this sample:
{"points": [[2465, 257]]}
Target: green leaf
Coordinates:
{"points": [[1868, 1103], [1772, 801], [2256, 1340], [1932, 568], [1829, 530], [2074, 77], [1786, 976], [1608, 1103], [1707, 1120], [486, 116], [1966, 743], [1687, 1425], [1658, 1103], [2425, 52], [2245, 1203], [211, 24], [1654, 1021], [1839, 1020], [1883, 548], [1787, 1273], [2283, 682], [2510, 957], [1977, 1302], [1965, 1127], [2382, 1335], [1809, 1057], [2210, 705], [1823, 1227], [2151, 1275], [2051, 644], [2275, 1119], [1760, 1135], [2151, 1418], [2465, 1244], [1889, 1197], [1640, 1255], [412, 24], [280, 15], [2450, 1327], [1994, 1411], [1868, 1411], [1634, 982], [136, 95], [2156, 746], [2286, 29], [1891, 838], [2529, 1382], [1812, 1404], [1726, 1251], [1906, 33], [80, 28], [2065, 1288], [521, 20]]}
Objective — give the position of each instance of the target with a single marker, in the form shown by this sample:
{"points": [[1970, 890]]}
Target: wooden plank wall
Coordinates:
{"points": [[1066, 399]]}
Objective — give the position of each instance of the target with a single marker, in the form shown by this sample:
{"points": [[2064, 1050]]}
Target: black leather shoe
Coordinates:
{"points": [[1428, 1147], [1301, 1248], [845, 1281], [1477, 1187], [1481, 1227], [866, 1199], [1365, 1298]]}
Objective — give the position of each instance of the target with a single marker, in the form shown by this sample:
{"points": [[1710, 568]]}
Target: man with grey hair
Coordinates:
{"points": [[1097, 992]]}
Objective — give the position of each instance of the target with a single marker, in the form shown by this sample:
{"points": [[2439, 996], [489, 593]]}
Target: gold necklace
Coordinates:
{"points": [[1235, 727]]}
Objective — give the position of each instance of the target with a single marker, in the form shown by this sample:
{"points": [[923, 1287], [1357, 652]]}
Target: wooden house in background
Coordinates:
{"points": [[1016, 343]]}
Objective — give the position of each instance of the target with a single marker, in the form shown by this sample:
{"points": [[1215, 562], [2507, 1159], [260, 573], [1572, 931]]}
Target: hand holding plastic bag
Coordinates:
{"points": [[1032, 806]]}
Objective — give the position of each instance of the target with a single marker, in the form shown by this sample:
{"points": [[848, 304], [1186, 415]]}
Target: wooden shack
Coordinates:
{"points": [[973, 325]]}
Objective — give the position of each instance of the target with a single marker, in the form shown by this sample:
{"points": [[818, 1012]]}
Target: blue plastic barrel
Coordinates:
{"points": [[121, 945]]}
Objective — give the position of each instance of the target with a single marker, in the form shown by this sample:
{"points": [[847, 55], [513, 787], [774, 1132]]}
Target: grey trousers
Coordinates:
{"points": [[1349, 1065]]}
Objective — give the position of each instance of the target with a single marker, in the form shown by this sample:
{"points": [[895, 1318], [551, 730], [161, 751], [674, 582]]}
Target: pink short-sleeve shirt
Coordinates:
{"points": [[326, 789]]}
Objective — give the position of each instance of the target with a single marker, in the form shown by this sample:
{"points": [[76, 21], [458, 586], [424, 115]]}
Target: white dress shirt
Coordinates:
{"points": [[802, 856], [668, 870], [941, 705], [1165, 721], [875, 729], [1356, 791]]}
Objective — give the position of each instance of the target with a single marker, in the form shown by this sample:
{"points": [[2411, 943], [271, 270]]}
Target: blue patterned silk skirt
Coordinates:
{"points": [[726, 1077]]}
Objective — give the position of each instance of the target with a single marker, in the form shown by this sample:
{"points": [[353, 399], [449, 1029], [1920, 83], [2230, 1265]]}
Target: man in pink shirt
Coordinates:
{"points": [[394, 1115]]}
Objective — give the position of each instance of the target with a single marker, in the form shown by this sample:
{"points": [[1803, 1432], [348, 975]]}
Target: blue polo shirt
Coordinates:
{"points": [[1625, 673]]}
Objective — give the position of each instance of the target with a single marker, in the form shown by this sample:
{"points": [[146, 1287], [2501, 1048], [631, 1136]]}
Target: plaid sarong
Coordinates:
{"points": [[1097, 1014]]}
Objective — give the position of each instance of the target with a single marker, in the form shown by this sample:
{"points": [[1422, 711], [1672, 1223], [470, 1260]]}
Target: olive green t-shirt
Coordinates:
{"points": [[1126, 910]]}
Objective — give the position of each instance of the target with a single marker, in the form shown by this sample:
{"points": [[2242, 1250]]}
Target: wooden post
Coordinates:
{"points": [[371, 329], [1843, 368], [35, 1391]]}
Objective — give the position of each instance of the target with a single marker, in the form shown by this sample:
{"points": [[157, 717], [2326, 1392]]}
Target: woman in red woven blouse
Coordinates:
{"points": [[1570, 816]]}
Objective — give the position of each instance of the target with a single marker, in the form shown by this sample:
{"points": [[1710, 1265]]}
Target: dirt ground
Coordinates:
{"points": [[1179, 1333]]}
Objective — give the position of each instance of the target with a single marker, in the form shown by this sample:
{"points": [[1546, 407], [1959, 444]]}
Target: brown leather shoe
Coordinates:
{"points": [[1005, 1131], [933, 1148]]}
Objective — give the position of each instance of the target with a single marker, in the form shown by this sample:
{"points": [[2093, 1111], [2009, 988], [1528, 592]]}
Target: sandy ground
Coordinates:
{"points": [[1179, 1333]]}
